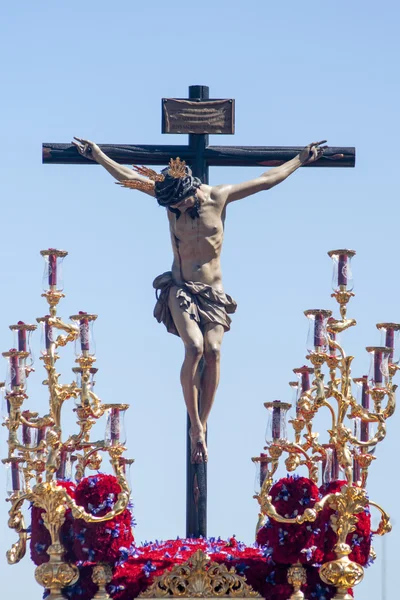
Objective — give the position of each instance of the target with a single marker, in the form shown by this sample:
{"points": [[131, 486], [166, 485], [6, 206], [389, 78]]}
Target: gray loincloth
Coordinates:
{"points": [[203, 303]]}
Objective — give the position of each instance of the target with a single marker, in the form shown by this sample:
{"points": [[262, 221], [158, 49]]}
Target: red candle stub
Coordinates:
{"points": [[364, 429], [378, 377], [330, 466], [343, 269], [41, 435], [276, 423], [335, 465], [63, 463], [332, 349], [115, 425], [84, 333], [323, 469], [14, 371], [389, 342], [319, 333], [26, 431], [356, 471], [15, 477], [303, 373], [21, 338], [263, 468], [305, 381], [52, 269]]}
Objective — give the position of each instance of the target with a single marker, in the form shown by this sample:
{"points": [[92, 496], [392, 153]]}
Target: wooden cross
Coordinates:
{"points": [[198, 116]]}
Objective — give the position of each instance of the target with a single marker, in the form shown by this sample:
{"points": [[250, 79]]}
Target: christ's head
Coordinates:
{"points": [[177, 192]]}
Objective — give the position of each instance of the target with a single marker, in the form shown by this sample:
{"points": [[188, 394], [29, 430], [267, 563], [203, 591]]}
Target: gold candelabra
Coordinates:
{"points": [[350, 448], [38, 452]]}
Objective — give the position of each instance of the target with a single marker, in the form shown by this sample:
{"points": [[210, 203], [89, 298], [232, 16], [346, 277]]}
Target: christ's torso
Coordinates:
{"points": [[197, 243]]}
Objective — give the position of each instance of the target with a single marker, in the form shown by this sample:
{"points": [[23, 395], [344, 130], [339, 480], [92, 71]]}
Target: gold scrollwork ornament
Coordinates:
{"points": [[200, 578], [297, 577], [55, 576], [101, 576]]}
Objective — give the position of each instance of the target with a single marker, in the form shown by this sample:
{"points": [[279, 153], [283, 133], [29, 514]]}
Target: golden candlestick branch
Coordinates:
{"points": [[35, 464]]}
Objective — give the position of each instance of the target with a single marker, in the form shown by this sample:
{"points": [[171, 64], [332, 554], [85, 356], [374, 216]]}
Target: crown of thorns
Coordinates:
{"points": [[176, 169]]}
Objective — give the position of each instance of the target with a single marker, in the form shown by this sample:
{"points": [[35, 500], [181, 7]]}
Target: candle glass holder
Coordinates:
{"points": [[23, 340], [15, 476], [48, 335], [378, 377], [53, 279], [261, 465], [294, 386], [85, 342], [64, 471], [115, 428], [317, 338], [276, 424], [365, 430], [16, 371], [390, 338], [29, 434], [78, 371], [342, 277]]}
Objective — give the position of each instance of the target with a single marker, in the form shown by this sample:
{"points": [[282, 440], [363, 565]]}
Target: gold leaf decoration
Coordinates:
{"points": [[146, 172], [199, 577], [177, 168], [136, 184]]}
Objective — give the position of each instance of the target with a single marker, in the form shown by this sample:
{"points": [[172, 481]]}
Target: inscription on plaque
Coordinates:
{"points": [[205, 116]]}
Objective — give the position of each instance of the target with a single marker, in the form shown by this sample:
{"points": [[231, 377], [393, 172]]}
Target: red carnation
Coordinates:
{"points": [[293, 543], [101, 541]]}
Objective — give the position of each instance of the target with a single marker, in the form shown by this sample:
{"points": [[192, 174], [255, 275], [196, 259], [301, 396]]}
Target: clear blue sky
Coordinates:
{"points": [[298, 72]]}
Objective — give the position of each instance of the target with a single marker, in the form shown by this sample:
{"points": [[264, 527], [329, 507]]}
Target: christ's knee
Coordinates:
{"points": [[212, 353], [194, 351]]}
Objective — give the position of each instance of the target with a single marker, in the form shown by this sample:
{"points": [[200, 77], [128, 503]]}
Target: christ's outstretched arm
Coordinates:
{"points": [[230, 193], [92, 151]]}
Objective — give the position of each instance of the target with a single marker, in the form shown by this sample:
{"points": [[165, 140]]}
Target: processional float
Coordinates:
{"points": [[313, 532], [313, 541]]}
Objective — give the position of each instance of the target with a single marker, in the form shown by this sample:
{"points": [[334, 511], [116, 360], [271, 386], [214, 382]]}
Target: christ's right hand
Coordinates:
{"points": [[87, 148]]}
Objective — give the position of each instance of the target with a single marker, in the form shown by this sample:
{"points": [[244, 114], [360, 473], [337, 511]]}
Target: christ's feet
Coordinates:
{"points": [[199, 452]]}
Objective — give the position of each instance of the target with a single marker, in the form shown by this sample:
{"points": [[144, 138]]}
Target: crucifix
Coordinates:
{"points": [[191, 301]]}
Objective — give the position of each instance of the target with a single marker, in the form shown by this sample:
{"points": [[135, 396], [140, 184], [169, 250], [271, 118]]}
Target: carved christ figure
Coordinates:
{"points": [[191, 301]]}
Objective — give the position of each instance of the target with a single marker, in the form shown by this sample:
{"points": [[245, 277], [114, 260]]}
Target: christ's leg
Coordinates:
{"points": [[192, 338], [213, 334]]}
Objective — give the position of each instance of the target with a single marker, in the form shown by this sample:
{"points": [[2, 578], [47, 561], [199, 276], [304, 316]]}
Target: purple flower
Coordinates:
{"points": [[281, 536], [320, 592], [81, 536], [113, 589], [266, 551], [125, 554], [309, 552], [91, 553], [148, 568], [271, 578], [283, 494], [241, 567]]}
